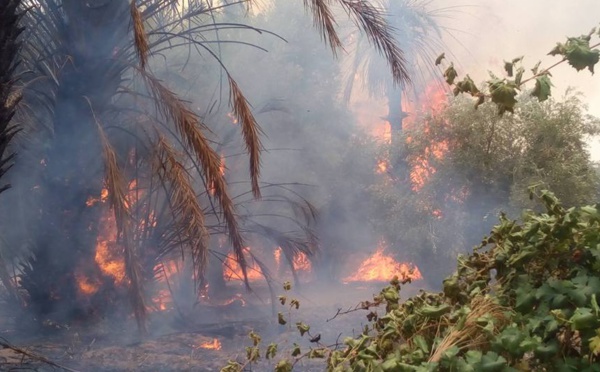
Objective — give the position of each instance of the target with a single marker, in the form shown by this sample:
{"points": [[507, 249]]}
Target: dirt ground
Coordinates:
{"points": [[190, 342]]}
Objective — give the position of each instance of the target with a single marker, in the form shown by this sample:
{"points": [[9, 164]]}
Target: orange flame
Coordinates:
{"points": [[85, 285], [302, 263], [214, 344], [382, 166], [381, 267], [233, 271]]}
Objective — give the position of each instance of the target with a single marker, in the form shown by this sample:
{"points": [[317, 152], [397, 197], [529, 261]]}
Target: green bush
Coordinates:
{"points": [[526, 299]]}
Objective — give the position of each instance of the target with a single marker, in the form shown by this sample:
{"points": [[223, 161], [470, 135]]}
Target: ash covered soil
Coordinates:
{"points": [[203, 338]]}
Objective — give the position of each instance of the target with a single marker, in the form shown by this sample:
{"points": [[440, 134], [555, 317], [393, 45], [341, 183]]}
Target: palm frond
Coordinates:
{"points": [[116, 186], [250, 131], [139, 34], [185, 205], [381, 35], [324, 20], [189, 127]]}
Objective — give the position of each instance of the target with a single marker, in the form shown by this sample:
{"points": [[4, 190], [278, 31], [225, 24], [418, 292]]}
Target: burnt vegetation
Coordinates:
{"points": [[106, 140]]}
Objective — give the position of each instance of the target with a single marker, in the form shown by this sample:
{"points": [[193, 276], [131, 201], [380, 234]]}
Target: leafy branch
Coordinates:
{"points": [[577, 51]]}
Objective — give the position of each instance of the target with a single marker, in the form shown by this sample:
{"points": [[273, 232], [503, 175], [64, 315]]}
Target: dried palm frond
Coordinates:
{"points": [[325, 22], [250, 131], [184, 204], [469, 335], [117, 197], [139, 34], [188, 125], [9, 47], [371, 21], [380, 34]]}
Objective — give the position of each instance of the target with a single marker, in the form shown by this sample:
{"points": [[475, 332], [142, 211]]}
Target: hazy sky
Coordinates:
{"points": [[493, 30]]}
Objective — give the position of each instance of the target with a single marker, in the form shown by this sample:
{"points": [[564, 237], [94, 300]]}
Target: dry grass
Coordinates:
{"points": [[117, 197], [184, 203], [139, 35], [188, 125], [250, 130], [470, 335]]}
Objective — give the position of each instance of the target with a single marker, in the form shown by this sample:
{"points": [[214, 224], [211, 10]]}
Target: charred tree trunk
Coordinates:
{"points": [[395, 118], [89, 35]]}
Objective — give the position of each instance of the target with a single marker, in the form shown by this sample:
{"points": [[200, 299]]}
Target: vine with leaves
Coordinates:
{"points": [[579, 52]]}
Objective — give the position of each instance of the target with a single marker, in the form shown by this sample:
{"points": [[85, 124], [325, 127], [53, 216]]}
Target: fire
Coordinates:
{"points": [[91, 201], [163, 299], [109, 257], [214, 344], [86, 286], [233, 271], [382, 166], [382, 267], [232, 117], [302, 263]]}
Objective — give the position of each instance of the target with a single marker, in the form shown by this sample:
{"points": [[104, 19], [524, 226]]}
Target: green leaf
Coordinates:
{"points": [[295, 303], [252, 353], [467, 85], [559, 49], [271, 351], [583, 318], [595, 343], [232, 366], [519, 76], [296, 350], [284, 365], [439, 59], [281, 319], [450, 74], [480, 100], [503, 95], [579, 55], [536, 67], [303, 328], [542, 88], [508, 67], [255, 337]]}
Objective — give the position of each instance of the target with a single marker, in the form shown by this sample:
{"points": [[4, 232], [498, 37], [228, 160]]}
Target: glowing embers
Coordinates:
{"points": [[381, 267]]}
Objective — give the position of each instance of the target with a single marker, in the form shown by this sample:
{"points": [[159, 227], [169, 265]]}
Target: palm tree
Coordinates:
{"points": [[97, 117], [10, 31], [419, 36], [9, 47]]}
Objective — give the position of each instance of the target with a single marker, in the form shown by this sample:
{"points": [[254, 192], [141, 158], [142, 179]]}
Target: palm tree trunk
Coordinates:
{"points": [[395, 118], [91, 32]]}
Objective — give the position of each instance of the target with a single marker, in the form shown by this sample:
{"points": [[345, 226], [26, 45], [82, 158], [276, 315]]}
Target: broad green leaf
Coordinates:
{"points": [[579, 55], [542, 89], [503, 95]]}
